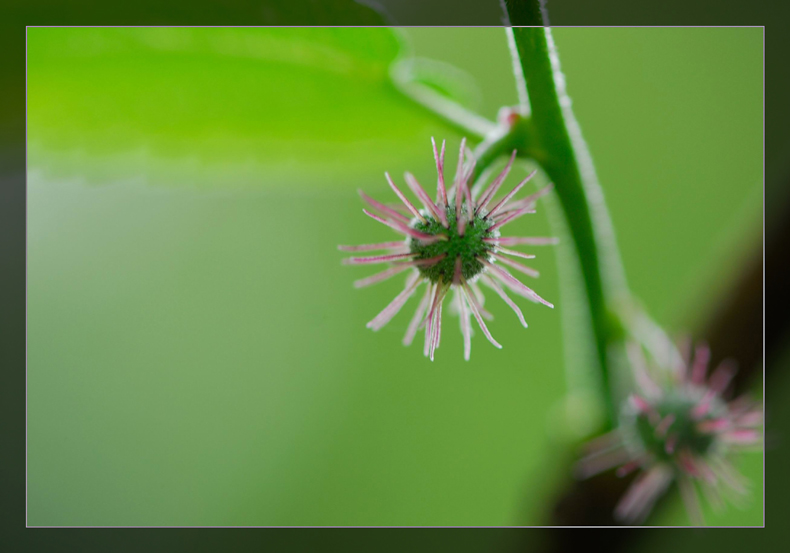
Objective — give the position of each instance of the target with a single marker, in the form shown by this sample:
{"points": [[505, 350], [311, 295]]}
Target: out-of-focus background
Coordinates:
{"points": [[197, 354]]}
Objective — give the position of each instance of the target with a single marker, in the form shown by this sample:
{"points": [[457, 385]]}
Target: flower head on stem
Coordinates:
{"points": [[677, 427], [453, 243]]}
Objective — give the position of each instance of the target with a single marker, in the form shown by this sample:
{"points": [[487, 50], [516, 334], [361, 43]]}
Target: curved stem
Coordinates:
{"points": [[560, 149], [502, 140], [465, 121]]}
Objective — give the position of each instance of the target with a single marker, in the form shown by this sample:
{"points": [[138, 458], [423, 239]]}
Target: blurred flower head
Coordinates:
{"points": [[452, 244], [677, 427]]}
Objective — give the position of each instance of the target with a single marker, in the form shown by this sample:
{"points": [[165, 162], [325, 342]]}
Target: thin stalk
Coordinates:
{"points": [[557, 145], [462, 119], [501, 141]]}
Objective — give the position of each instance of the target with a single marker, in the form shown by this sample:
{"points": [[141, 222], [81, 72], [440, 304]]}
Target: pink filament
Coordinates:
{"points": [[384, 275], [392, 309], [377, 259], [404, 199], [513, 283], [466, 326], [510, 194], [476, 312], [517, 266], [441, 190], [515, 215], [514, 253], [498, 289], [523, 240], [373, 247], [405, 229], [414, 324], [701, 358], [424, 198], [387, 210], [492, 189]]}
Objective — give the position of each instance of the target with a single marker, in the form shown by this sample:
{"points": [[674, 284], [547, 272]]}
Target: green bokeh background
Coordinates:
{"points": [[197, 355]]}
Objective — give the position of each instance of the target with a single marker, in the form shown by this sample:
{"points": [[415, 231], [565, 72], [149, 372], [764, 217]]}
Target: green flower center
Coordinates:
{"points": [[468, 247], [682, 434]]}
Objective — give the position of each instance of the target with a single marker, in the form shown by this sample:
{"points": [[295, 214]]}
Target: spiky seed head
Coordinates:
{"points": [[678, 427], [451, 243], [672, 427], [469, 247]]}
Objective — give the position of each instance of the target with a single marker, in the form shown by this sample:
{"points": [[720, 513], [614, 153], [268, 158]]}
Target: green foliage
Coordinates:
{"points": [[17, 14], [221, 328], [209, 106]]}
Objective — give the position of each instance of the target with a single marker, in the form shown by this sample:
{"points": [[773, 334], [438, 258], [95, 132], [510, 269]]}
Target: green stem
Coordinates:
{"points": [[463, 120], [525, 12], [501, 140], [558, 146]]}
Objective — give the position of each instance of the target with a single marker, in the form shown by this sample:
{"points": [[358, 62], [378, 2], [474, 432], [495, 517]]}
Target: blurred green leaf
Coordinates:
{"points": [[216, 106], [17, 14]]}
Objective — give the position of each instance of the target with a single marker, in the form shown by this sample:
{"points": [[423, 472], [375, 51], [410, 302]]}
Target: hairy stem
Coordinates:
{"points": [[558, 146]]}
